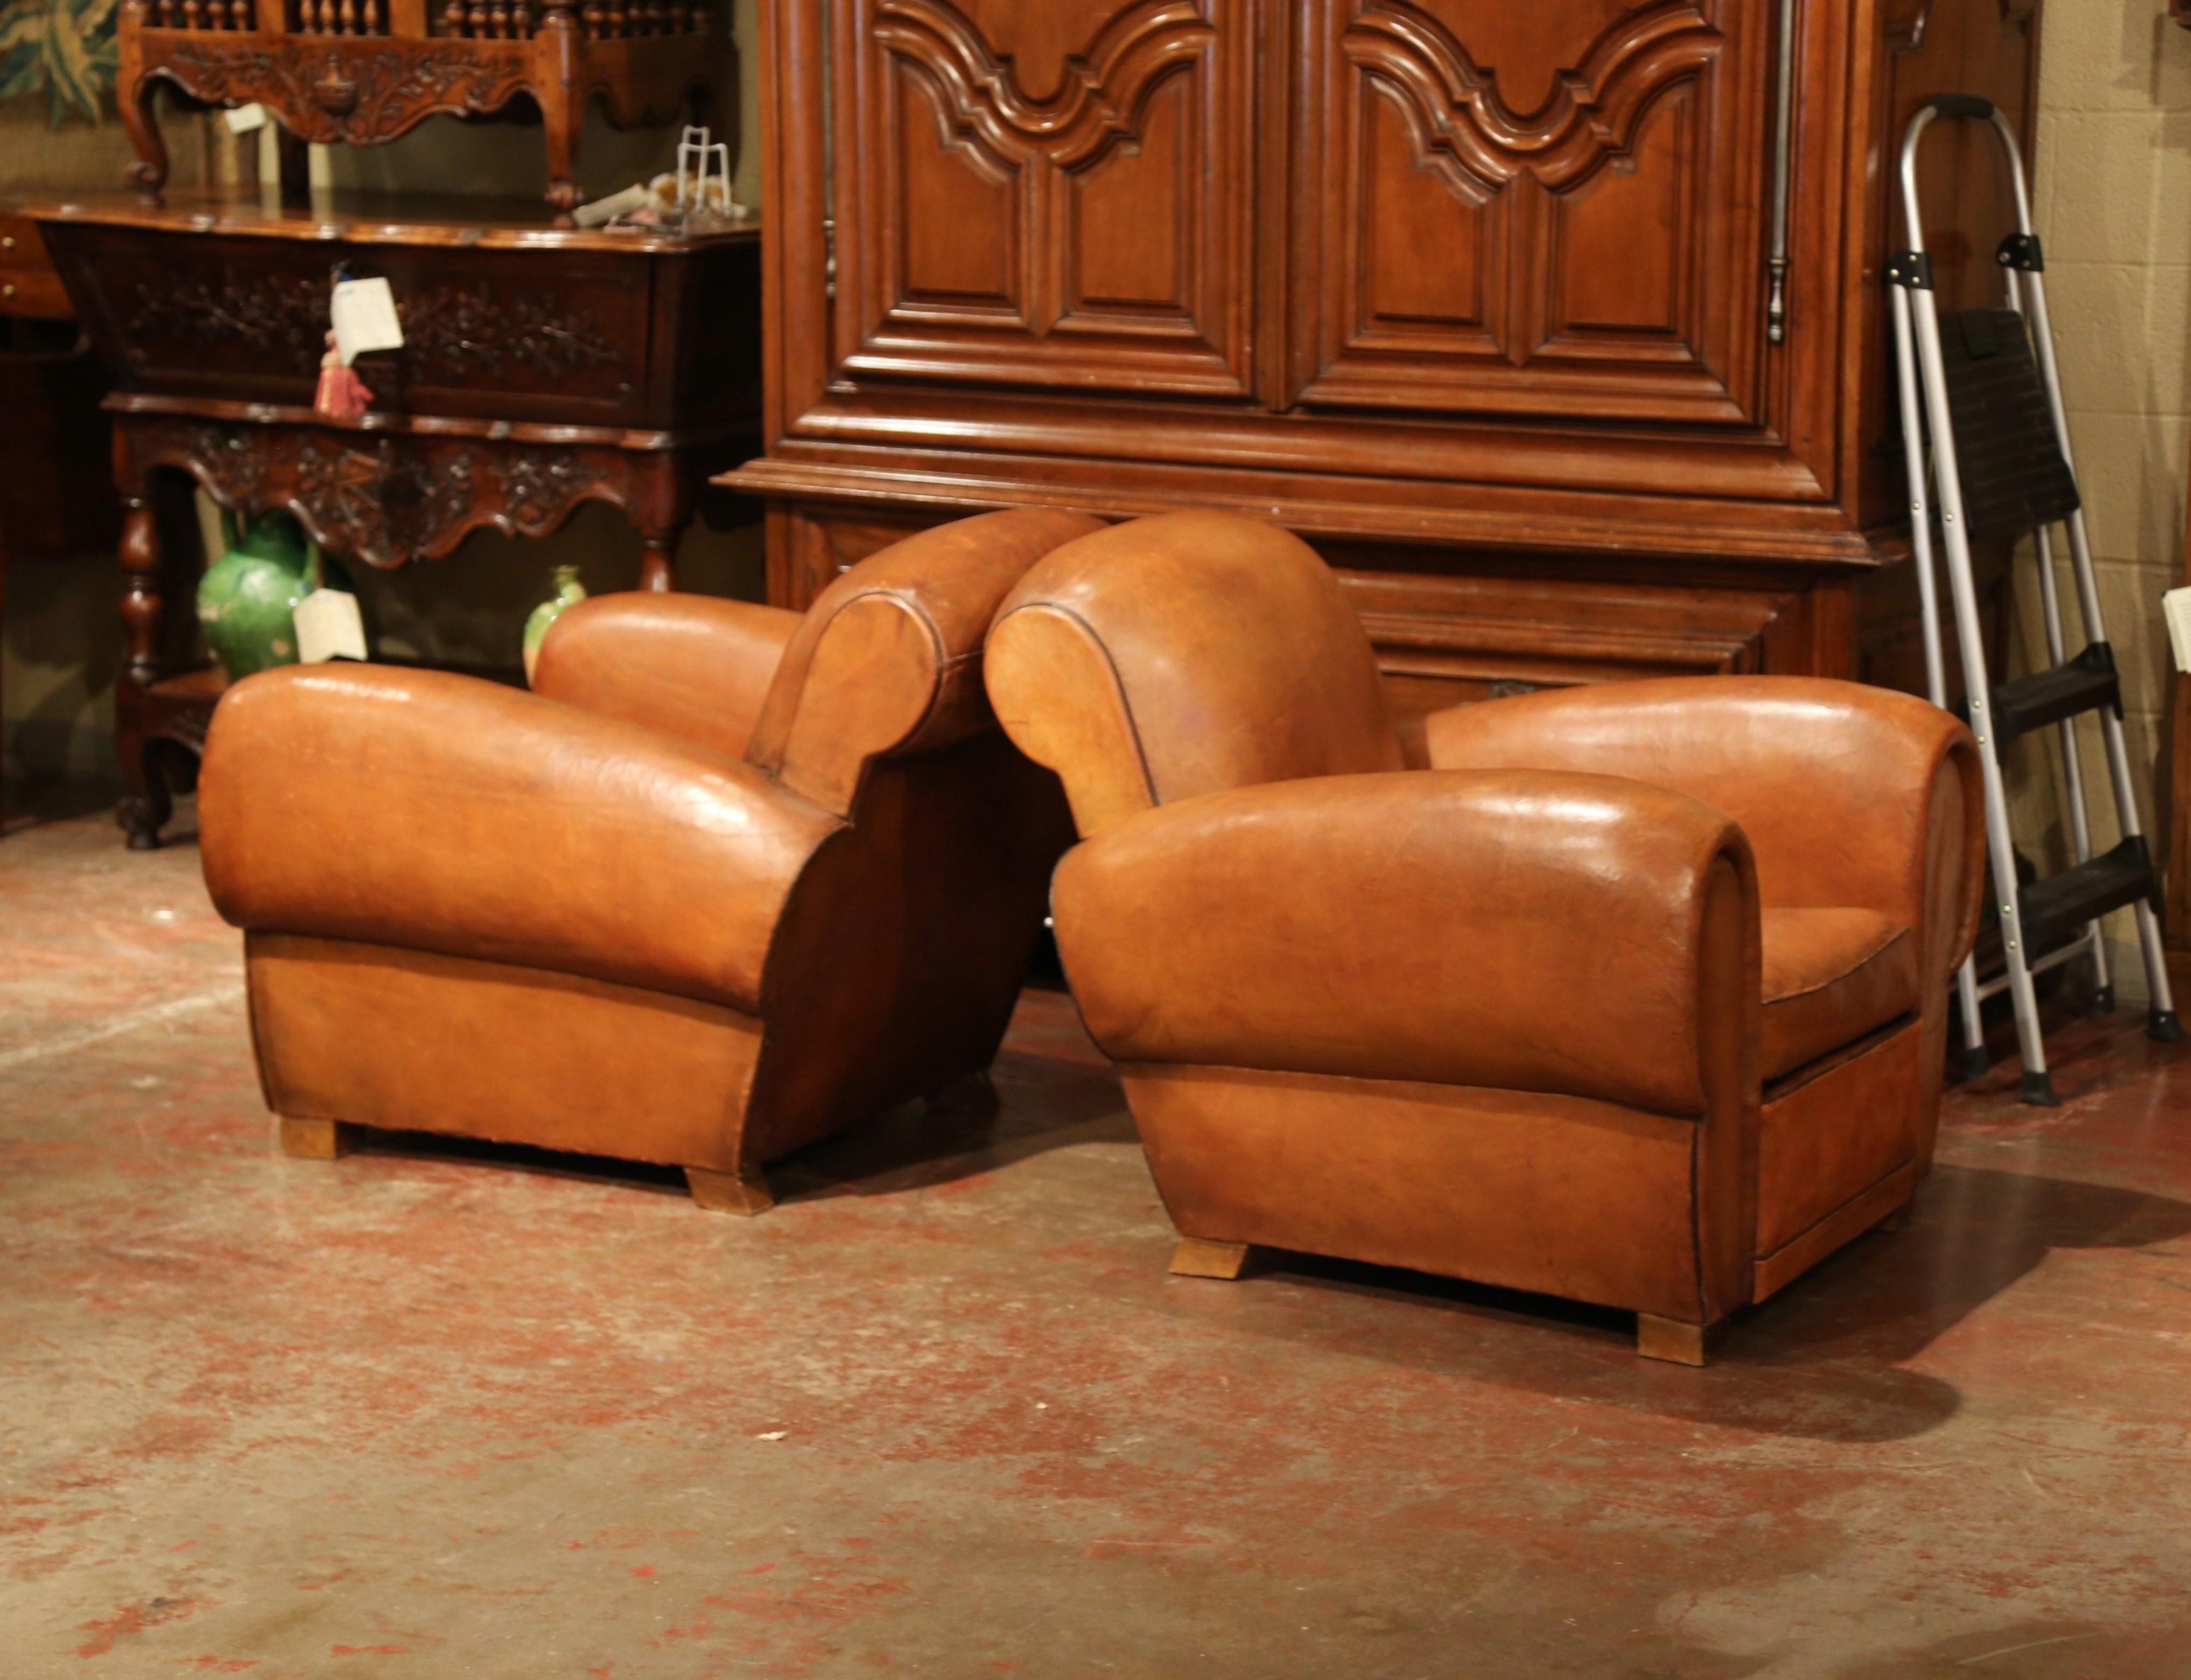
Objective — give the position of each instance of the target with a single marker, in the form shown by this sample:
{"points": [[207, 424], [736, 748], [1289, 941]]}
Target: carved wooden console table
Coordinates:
{"points": [[357, 72], [541, 368]]}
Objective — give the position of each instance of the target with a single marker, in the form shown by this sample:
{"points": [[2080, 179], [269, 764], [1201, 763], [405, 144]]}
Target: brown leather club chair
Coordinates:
{"points": [[1636, 995], [732, 878]]}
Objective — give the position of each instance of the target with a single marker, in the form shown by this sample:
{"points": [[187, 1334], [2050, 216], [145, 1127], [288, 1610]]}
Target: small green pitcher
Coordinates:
{"points": [[247, 598], [568, 594]]}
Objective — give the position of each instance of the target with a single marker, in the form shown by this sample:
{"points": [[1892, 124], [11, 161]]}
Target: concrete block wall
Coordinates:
{"points": [[2112, 204]]}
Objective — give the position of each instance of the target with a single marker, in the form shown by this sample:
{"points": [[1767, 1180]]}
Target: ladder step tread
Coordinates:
{"points": [[2085, 684], [2014, 478], [2055, 909]]}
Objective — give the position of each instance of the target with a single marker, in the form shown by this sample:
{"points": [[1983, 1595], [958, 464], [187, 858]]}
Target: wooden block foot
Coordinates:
{"points": [[1195, 1258], [316, 1139], [1670, 1339], [973, 1094], [744, 1191]]}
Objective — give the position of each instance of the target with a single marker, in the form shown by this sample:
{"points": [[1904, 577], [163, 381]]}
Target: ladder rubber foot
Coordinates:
{"points": [[1973, 1063], [2104, 1002], [2164, 1028], [2039, 1091]]}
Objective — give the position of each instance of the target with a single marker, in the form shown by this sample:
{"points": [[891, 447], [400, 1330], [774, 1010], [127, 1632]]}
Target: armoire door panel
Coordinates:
{"points": [[1127, 237], [1056, 196], [1585, 177], [1612, 294], [1432, 255], [957, 250]]}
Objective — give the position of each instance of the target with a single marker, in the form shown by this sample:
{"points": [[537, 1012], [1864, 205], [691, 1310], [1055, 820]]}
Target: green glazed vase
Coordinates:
{"points": [[247, 598], [567, 595]]}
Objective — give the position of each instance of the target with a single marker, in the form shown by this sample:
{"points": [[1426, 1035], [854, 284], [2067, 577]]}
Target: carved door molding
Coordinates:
{"points": [[1576, 232], [1010, 208]]}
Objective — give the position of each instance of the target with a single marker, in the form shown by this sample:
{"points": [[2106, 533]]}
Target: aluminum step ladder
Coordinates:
{"points": [[1982, 386]]}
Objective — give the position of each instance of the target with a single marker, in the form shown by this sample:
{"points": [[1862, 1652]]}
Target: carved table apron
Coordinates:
{"points": [[541, 368]]}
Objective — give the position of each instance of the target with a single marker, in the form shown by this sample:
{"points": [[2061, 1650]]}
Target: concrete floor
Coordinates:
{"points": [[435, 1412]]}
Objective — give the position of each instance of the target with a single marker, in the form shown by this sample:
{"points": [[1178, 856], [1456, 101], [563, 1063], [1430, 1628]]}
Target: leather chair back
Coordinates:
{"points": [[1185, 654], [888, 662]]}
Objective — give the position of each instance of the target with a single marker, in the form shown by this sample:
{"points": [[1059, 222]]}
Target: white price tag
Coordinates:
{"points": [[245, 119], [2175, 607], [328, 627], [363, 316]]}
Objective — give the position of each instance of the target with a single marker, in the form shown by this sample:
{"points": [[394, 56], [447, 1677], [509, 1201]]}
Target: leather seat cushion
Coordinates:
{"points": [[1830, 977]]}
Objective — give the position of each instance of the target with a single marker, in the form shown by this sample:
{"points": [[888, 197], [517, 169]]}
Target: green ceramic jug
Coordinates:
{"points": [[568, 594], [247, 598]]}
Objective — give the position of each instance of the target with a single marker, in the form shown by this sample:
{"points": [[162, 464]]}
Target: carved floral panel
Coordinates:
{"points": [[383, 499], [355, 92], [196, 313], [1046, 194], [1552, 208]]}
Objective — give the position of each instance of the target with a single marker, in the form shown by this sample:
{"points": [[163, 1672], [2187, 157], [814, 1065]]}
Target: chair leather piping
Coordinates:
{"points": [[1903, 1166], [1118, 684], [1697, 1218], [1819, 1066], [1141, 1062], [944, 661], [258, 1038], [1870, 956]]}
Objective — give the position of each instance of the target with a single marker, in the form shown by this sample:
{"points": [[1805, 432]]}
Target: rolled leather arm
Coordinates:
{"points": [[888, 660], [1533, 931], [695, 666], [1851, 796], [444, 814]]}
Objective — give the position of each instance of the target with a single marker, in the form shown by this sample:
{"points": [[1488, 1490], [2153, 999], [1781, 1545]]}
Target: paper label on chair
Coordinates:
{"points": [[363, 316], [328, 627], [2175, 607]]}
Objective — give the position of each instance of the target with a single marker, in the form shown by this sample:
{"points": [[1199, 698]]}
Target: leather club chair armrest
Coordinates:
{"points": [[878, 675], [450, 814], [1851, 795], [889, 660], [1531, 931], [695, 666]]}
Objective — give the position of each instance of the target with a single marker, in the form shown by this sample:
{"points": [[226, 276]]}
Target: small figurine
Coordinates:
{"points": [[342, 395]]}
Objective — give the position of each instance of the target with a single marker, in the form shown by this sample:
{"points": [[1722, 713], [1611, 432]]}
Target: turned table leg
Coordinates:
{"points": [[145, 802], [149, 172], [658, 566], [562, 112], [657, 500]]}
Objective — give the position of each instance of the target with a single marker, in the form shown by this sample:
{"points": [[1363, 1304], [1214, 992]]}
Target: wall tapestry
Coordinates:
{"points": [[63, 48]]}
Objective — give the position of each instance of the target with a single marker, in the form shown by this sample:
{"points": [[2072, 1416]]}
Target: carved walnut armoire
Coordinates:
{"points": [[1556, 325]]}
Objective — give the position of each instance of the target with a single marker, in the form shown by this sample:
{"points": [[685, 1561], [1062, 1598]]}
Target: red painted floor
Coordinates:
{"points": [[436, 1412]]}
